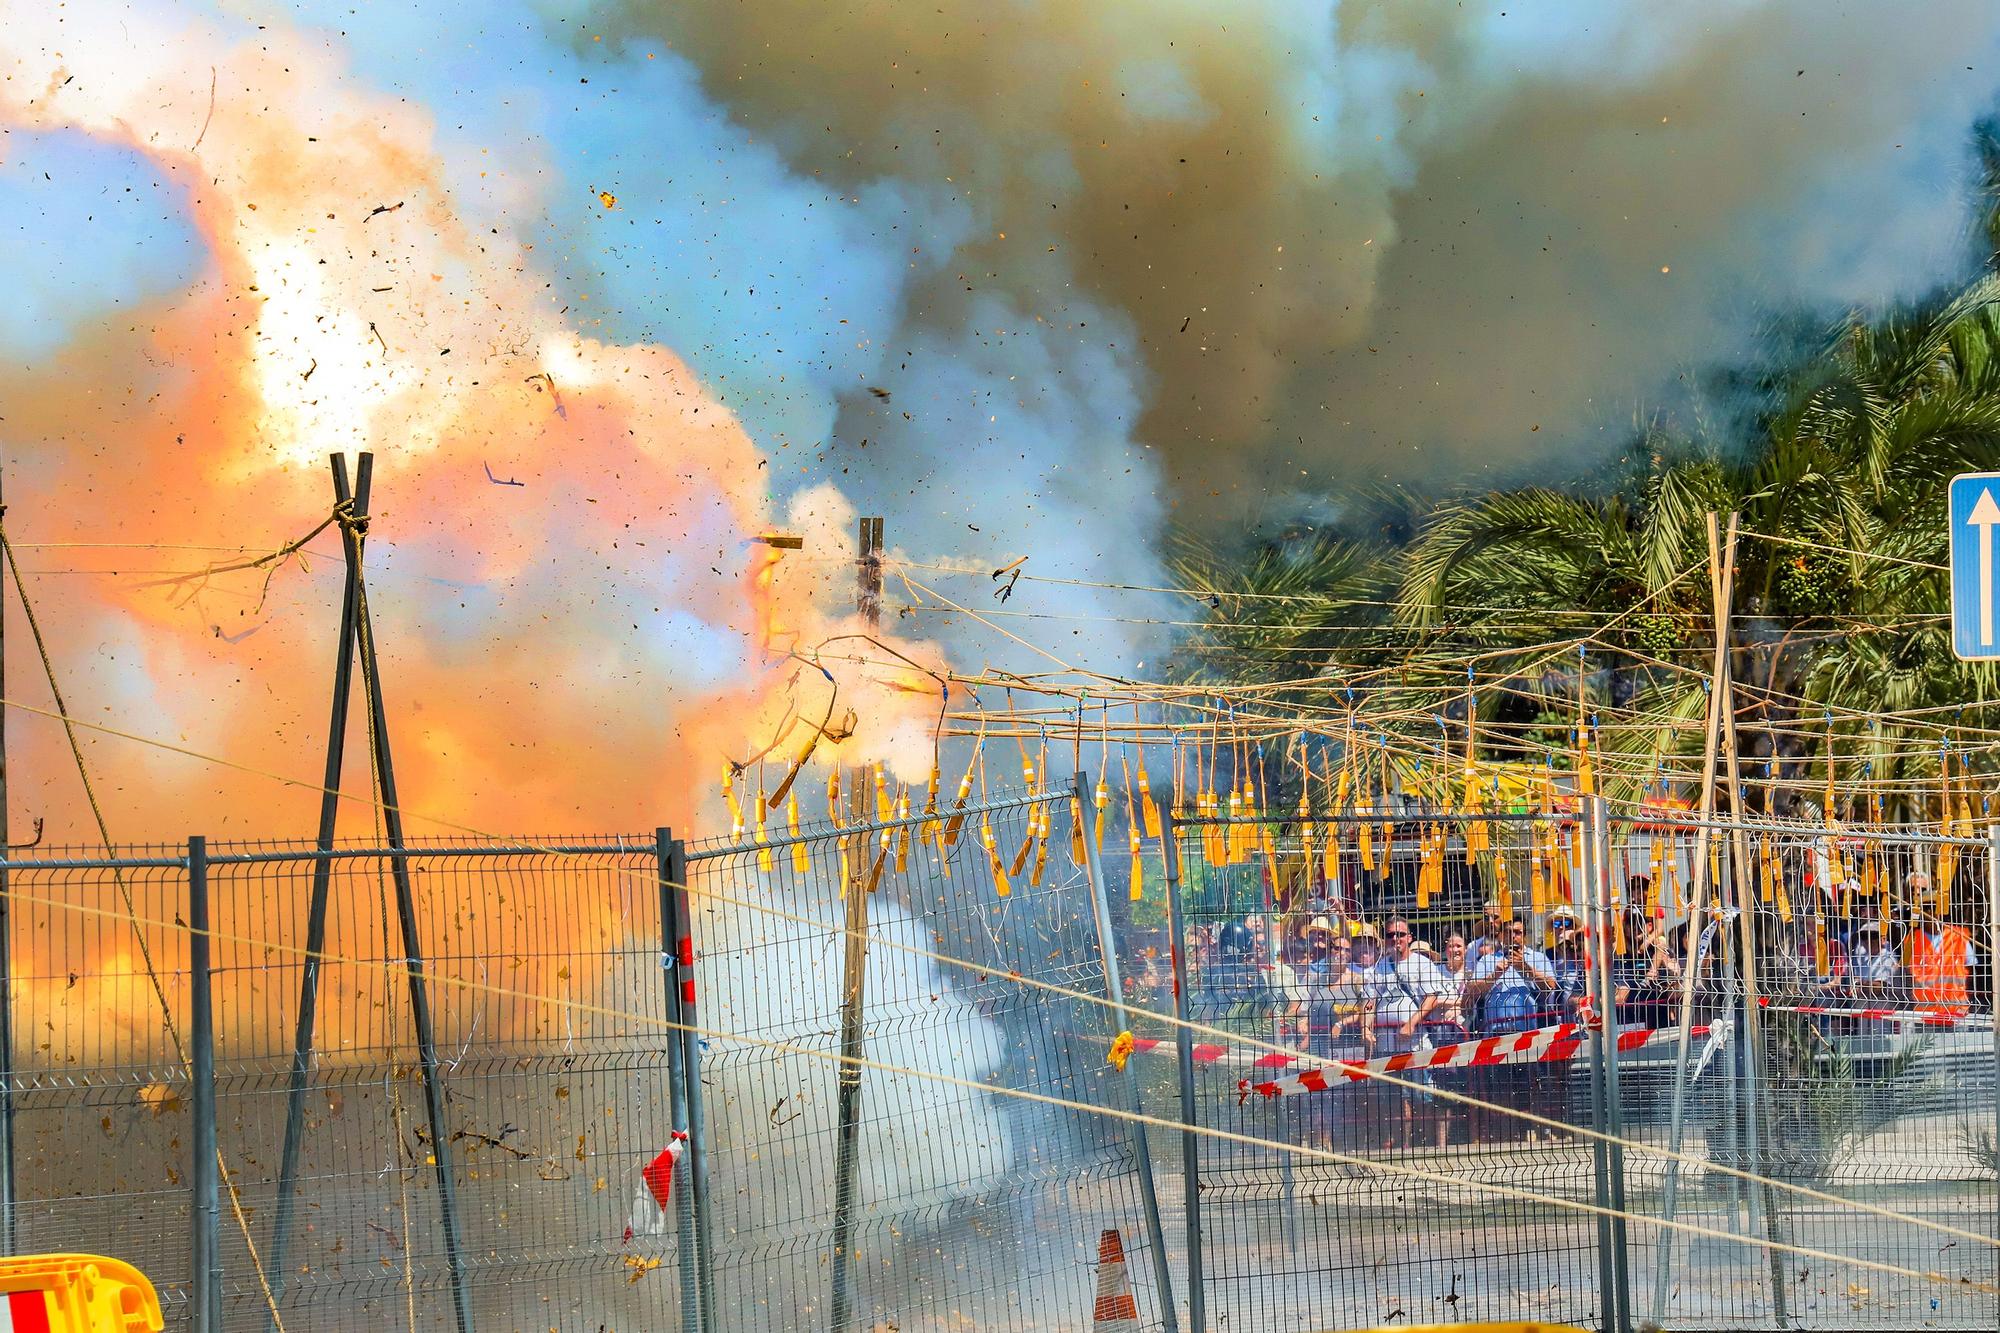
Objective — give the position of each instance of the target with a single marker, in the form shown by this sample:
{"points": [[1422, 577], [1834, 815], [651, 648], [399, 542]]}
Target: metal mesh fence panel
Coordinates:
{"points": [[967, 1209], [1286, 945], [1858, 1061], [100, 1096], [550, 1111], [1819, 1014]]}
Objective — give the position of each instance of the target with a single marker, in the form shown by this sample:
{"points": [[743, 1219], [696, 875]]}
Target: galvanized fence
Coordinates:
{"points": [[960, 1205], [582, 1003], [1759, 1027]]}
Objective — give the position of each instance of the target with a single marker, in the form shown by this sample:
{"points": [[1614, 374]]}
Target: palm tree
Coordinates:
{"points": [[1847, 461], [1838, 473], [1288, 610]]}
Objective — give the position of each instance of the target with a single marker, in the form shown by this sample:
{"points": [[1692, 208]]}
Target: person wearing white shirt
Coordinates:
{"points": [[1407, 987]]}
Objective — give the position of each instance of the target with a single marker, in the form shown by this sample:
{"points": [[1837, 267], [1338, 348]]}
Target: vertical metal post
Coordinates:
{"points": [[6, 956], [413, 951], [1993, 962], [1606, 935], [1184, 1058], [1602, 1051], [206, 1289], [691, 1075], [1753, 1106], [677, 1079], [853, 973], [353, 517], [1114, 989]]}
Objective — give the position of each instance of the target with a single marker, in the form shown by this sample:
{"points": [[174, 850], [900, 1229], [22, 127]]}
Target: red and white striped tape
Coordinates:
{"points": [[24, 1312], [1938, 1018], [1560, 1042], [1208, 1054], [1205, 1054]]}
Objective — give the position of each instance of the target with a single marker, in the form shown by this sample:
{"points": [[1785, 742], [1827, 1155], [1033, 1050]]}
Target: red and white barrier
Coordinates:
{"points": [[1560, 1042], [1206, 1054]]}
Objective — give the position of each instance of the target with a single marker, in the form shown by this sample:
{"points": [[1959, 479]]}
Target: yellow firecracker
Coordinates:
{"points": [[735, 807], [1102, 797], [1022, 852], [1538, 873], [1001, 885], [1655, 864], [931, 827], [1426, 865], [765, 862], [955, 826], [800, 862], [902, 831], [1148, 807], [881, 860]]}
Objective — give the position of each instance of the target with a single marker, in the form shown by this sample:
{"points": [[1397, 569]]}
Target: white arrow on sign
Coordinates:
{"points": [[1984, 515]]}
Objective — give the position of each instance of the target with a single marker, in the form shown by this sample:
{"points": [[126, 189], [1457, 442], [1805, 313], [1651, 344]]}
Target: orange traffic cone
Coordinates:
{"points": [[1116, 1311]]}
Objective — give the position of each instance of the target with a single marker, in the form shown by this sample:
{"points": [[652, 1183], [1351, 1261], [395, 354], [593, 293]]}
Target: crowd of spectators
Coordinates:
{"points": [[1340, 989]]}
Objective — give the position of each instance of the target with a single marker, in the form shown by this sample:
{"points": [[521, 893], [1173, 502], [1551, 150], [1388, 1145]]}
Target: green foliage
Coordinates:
{"points": [[1839, 479], [1822, 1109]]}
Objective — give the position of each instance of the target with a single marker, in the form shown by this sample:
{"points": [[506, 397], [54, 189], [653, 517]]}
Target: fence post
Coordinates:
{"points": [[1184, 1058], [1993, 1003], [1753, 1103], [1606, 937], [1114, 989], [853, 1033], [677, 1075], [1603, 1049], [691, 1076], [206, 1289], [6, 962]]}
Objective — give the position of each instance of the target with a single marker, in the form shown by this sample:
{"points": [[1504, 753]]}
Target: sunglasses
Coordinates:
{"points": [[1399, 934]]}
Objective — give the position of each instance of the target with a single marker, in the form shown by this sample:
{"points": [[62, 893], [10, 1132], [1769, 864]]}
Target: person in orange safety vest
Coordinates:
{"points": [[1941, 956]]}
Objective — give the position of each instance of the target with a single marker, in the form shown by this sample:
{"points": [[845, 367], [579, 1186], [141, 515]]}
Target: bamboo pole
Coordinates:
{"points": [[1719, 579]]}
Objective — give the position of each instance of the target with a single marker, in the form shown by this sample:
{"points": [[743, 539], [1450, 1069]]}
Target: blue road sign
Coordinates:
{"points": [[1975, 576]]}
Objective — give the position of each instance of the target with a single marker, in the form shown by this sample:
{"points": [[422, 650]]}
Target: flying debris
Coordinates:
{"points": [[1012, 570], [500, 481]]}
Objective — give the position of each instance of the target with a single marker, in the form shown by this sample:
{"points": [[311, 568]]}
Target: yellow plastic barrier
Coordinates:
{"points": [[75, 1293]]}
